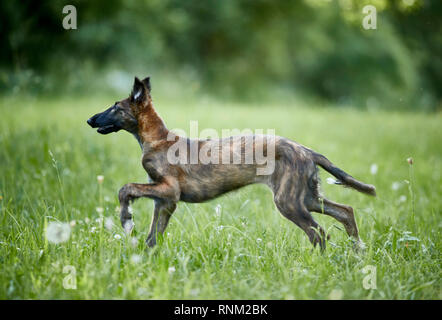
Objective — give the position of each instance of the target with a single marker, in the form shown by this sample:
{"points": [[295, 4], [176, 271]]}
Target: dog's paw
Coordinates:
{"points": [[359, 246], [151, 242]]}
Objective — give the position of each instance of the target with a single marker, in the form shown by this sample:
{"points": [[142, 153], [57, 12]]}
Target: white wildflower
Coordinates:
{"points": [[171, 270], [218, 210], [117, 236], [72, 223], [93, 229], [58, 232], [374, 169], [99, 209], [402, 198], [106, 198], [395, 186]]}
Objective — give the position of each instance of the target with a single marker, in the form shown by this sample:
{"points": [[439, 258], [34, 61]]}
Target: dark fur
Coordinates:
{"points": [[294, 182]]}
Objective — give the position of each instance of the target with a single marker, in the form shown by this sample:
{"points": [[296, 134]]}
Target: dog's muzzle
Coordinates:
{"points": [[103, 129]]}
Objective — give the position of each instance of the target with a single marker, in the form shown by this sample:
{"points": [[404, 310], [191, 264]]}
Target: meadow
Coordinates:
{"points": [[235, 247]]}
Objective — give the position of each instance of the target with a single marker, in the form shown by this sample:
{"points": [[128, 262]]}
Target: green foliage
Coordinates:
{"points": [[235, 247], [239, 49]]}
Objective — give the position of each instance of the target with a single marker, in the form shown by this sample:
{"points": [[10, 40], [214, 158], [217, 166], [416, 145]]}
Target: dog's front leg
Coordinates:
{"points": [[162, 213], [166, 192]]}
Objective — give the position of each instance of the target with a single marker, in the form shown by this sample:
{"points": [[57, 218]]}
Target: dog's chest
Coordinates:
{"points": [[155, 166]]}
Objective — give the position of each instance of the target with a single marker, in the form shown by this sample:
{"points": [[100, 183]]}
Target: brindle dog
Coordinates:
{"points": [[294, 180]]}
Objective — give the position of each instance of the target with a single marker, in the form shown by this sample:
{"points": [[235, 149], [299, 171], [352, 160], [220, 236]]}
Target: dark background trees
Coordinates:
{"points": [[241, 49]]}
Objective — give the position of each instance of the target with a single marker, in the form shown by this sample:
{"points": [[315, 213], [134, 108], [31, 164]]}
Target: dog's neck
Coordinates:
{"points": [[151, 128]]}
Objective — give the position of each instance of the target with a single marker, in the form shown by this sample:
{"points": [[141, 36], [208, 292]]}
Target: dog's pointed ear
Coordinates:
{"points": [[138, 91], [146, 82]]}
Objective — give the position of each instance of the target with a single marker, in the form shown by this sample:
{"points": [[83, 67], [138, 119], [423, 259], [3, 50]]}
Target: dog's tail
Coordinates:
{"points": [[343, 178]]}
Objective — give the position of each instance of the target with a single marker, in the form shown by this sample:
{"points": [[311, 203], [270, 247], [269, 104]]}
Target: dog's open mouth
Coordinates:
{"points": [[108, 129]]}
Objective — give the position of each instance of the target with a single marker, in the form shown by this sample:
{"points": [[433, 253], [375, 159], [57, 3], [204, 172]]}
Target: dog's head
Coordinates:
{"points": [[124, 114]]}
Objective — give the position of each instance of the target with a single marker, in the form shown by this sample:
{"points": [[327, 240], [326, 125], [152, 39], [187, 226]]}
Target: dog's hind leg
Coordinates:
{"points": [[290, 206], [342, 213], [303, 219], [162, 213]]}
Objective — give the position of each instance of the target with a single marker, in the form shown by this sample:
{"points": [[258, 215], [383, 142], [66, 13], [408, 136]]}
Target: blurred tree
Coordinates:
{"points": [[242, 48]]}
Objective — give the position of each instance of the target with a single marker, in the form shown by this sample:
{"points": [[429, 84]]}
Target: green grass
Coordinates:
{"points": [[244, 249]]}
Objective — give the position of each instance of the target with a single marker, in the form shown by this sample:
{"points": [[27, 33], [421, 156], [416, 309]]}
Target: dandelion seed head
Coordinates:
{"points": [[100, 179], [402, 198], [142, 291], [99, 210], [58, 232], [106, 198], [336, 294], [374, 169], [108, 223], [134, 241], [128, 226], [410, 161], [135, 258], [194, 292]]}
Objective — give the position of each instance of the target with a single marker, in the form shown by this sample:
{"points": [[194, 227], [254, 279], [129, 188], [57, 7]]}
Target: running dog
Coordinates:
{"points": [[293, 180]]}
